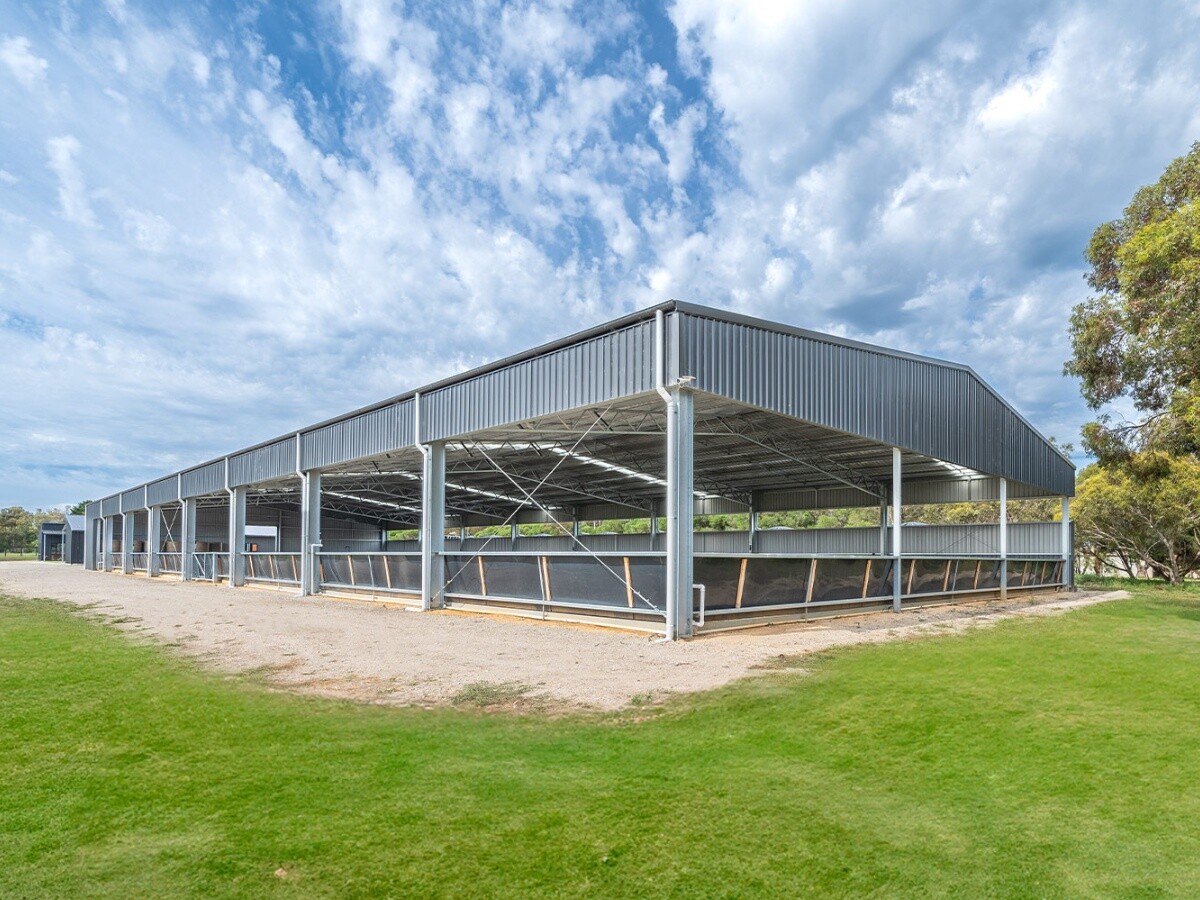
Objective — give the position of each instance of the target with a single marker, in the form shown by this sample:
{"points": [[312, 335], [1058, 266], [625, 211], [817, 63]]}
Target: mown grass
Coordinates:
{"points": [[1051, 757]]}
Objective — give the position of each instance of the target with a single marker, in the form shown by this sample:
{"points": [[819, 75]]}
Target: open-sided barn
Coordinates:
{"points": [[671, 412]]}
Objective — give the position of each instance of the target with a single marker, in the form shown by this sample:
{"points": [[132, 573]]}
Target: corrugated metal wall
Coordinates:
{"points": [[935, 410], [205, 480], [378, 431], [134, 499], [263, 463], [603, 368], [162, 491]]}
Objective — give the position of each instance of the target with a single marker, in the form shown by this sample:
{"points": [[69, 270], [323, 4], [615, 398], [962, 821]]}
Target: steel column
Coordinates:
{"points": [[89, 543], [110, 541], [310, 532], [680, 506], [1003, 538], [153, 539], [127, 542], [1067, 549], [237, 536], [883, 521], [433, 526], [187, 538], [897, 575]]}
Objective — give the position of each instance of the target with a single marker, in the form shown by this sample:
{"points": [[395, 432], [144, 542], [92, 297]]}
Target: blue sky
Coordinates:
{"points": [[222, 221]]}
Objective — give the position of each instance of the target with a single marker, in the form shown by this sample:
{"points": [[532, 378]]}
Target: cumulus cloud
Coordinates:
{"points": [[72, 192], [28, 68], [229, 227]]}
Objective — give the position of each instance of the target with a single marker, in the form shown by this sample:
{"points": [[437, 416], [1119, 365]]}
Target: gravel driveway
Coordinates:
{"points": [[371, 652]]}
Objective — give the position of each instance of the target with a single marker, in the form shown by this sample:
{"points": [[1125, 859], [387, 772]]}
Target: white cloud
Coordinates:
{"points": [[280, 232], [72, 192], [28, 68]]}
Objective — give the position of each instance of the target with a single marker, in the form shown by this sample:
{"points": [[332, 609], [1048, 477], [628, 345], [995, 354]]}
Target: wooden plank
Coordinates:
{"points": [[482, 576], [812, 580], [912, 570], [737, 603], [628, 583], [978, 569], [946, 580], [387, 570], [866, 579], [350, 566], [546, 577]]}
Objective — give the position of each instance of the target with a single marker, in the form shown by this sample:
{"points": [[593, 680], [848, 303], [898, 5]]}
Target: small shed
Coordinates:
{"points": [[73, 539], [50, 541]]}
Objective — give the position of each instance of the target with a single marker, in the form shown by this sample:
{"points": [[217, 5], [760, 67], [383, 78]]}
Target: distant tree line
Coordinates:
{"points": [[19, 526]]}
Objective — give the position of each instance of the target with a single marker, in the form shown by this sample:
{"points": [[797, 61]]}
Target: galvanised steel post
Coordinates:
{"points": [[237, 536], [153, 539], [433, 526], [310, 532], [127, 543], [1003, 538], [897, 573], [883, 521], [187, 538], [1068, 575], [110, 541], [680, 505]]}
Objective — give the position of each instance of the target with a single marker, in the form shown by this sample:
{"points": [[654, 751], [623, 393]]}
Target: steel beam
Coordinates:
{"points": [[433, 527], [1003, 538], [127, 542], [310, 532], [897, 548], [237, 536], [680, 487], [1067, 549], [153, 539], [187, 538]]}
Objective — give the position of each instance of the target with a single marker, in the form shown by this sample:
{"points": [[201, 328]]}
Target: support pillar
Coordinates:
{"points": [[110, 541], [1003, 538], [1068, 552], [883, 520], [897, 568], [187, 538], [128, 520], [153, 539], [752, 528], [680, 506], [310, 533], [433, 526], [237, 536]]}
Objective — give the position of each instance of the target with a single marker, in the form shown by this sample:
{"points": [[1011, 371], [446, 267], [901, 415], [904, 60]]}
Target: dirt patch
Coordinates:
{"points": [[379, 653]]}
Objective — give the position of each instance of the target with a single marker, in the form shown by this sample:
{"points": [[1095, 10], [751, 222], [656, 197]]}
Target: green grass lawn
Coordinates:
{"points": [[17, 557], [1050, 757]]}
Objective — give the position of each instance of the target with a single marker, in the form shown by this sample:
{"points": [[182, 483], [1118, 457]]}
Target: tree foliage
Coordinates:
{"points": [[1142, 515], [1138, 336]]}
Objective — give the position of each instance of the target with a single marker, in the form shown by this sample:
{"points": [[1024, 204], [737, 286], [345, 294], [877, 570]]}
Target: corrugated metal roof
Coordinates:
{"points": [[869, 395]]}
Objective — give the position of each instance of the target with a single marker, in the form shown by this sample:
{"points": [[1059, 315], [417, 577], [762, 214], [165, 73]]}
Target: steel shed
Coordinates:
{"points": [[670, 412]]}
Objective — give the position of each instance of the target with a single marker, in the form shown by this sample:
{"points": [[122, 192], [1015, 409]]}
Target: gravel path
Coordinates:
{"points": [[372, 652]]}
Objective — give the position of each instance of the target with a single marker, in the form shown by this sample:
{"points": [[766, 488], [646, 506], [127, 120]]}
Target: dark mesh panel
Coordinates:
{"points": [[650, 580], [839, 579], [775, 582], [929, 577], [879, 584], [989, 574], [720, 579], [463, 575], [406, 572], [584, 579]]}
